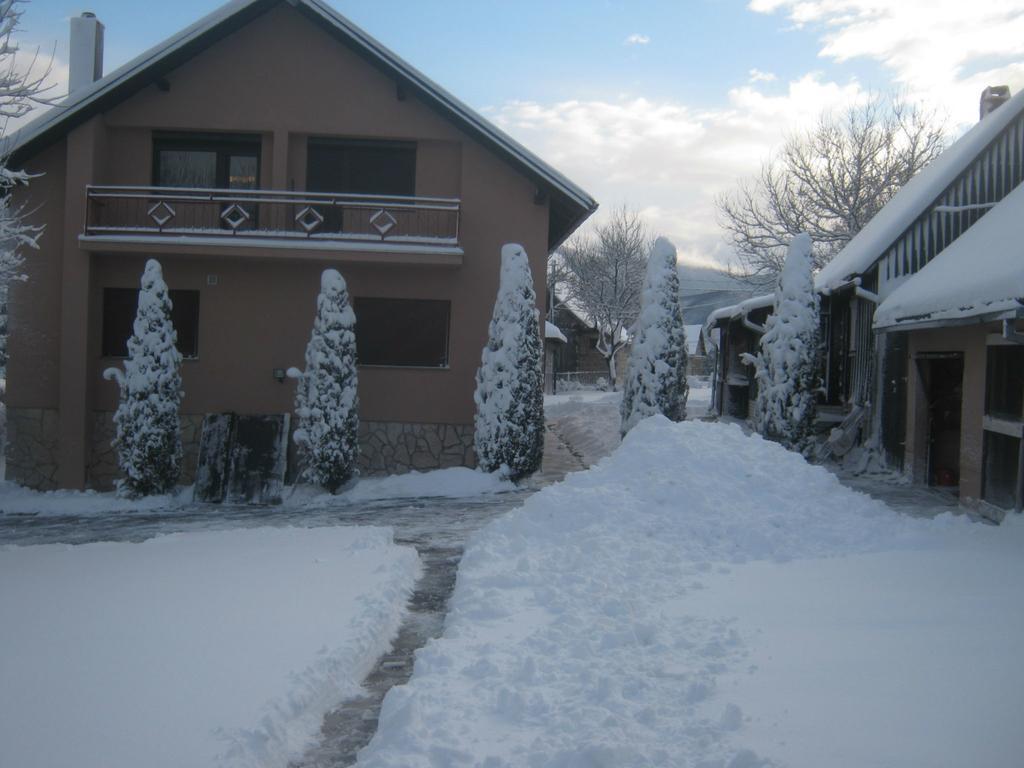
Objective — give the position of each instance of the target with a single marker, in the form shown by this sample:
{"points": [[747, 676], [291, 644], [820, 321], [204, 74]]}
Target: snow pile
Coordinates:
{"points": [[326, 398], [566, 644], [509, 392], [656, 373], [192, 649], [980, 273], [452, 483], [786, 367], [148, 439]]}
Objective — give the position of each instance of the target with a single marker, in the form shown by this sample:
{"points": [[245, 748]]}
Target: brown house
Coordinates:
{"points": [[264, 143]]}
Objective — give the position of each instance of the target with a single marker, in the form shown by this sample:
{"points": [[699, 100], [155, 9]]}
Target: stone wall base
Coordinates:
{"points": [[393, 448], [31, 447], [385, 448]]}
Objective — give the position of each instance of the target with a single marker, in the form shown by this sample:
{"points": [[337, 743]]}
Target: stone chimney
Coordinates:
{"points": [[86, 66], [992, 97]]}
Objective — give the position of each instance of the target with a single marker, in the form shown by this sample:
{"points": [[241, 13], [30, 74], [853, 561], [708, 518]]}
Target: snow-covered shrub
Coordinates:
{"points": [[326, 399], [148, 439], [509, 393], [656, 372], [786, 367]]}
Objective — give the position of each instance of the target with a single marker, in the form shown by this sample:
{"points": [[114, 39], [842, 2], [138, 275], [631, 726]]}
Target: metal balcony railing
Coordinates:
{"points": [[237, 215]]}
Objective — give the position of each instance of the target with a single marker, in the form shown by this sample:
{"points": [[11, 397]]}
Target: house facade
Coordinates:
{"points": [[264, 143]]}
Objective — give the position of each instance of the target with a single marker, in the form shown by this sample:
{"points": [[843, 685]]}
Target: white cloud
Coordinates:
{"points": [[668, 159], [757, 76], [637, 39], [943, 52]]}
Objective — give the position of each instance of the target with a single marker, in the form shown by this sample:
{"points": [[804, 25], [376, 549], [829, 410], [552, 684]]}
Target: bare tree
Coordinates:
{"points": [[829, 182], [603, 278], [23, 87]]}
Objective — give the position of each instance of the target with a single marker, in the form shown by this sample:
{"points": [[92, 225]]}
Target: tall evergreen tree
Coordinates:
{"points": [[148, 440], [509, 393], [656, 373], [326, 399], [786, 370]]}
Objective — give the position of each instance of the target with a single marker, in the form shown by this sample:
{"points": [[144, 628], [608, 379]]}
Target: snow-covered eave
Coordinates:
{"points": [[1007, 309], [917, 196], [149, 66], [737, 311], [553, 333]]}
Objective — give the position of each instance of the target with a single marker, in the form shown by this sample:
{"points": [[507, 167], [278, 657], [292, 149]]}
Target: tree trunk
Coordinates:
{"points": [[611, 371]]}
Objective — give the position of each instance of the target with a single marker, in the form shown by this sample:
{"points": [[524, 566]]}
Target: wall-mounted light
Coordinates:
{"points": [[279, 375]]}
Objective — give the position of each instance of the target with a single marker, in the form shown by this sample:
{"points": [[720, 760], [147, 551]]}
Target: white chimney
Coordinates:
{"points": [[992, 97], [86, 66]]}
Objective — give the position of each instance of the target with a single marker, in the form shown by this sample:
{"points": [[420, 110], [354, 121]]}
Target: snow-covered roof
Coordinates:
{"points": [[552, 332], [978, 276], [913, 199], [574, 206], [734, 311]]}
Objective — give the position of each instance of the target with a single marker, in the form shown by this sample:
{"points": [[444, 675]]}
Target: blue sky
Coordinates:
{"points": [[657, 104]]}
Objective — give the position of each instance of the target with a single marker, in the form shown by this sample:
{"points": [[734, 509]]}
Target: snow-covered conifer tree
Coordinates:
{"points": [[326, 400], [509, 393], [786, 368], [148, 440], [656, 373]]}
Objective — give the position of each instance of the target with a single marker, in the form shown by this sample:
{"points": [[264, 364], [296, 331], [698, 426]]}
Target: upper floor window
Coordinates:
{"points": [[361, 167], [206, 161]]}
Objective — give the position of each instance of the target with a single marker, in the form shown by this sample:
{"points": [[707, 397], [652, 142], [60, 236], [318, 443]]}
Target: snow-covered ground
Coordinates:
{"points": [[588, 421], [455, 483], [190, 649], [703, 597]]}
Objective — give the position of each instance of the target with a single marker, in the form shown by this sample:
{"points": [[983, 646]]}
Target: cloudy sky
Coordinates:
{"points": [[658, 104]]}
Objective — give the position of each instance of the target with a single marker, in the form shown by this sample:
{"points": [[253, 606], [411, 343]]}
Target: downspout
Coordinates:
{"points": [[1010, 332]]}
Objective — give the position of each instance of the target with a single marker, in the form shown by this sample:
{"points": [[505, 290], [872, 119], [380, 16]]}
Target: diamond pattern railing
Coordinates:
{"points": [[288, 216]]}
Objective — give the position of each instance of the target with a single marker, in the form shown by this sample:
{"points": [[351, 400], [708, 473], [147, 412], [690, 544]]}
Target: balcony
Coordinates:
{"points": [[272, 222]]}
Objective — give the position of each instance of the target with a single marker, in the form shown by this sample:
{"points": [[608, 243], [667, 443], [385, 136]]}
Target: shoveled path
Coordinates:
{"points": [[439, 538]]}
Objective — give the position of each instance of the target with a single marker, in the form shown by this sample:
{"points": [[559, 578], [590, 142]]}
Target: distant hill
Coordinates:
{"points": [[705, 289]]}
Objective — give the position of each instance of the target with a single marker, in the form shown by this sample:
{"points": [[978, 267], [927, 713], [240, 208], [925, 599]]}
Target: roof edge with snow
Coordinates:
{"points": [[916, 197]]}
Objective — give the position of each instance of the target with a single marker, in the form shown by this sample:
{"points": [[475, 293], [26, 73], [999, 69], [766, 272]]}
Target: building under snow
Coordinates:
{"points": [[263, 143], [921, 314]]}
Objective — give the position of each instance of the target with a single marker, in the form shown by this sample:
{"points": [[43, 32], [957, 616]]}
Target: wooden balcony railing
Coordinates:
{"points": [[236, 215]]}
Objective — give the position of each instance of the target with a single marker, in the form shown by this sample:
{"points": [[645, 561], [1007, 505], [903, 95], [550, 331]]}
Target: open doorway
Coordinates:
{"points": [[942, 375]]}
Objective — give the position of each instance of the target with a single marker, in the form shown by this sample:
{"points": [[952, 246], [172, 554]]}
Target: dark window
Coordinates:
{"points": [[1005, 382], [361, 167], [120, 306], [222, 162], [410, 332], [1002, 460]]}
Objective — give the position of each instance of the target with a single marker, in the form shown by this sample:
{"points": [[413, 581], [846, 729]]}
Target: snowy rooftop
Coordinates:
{"points": [[734, 311], [915, 197], [551, 332], [979, 276]]}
